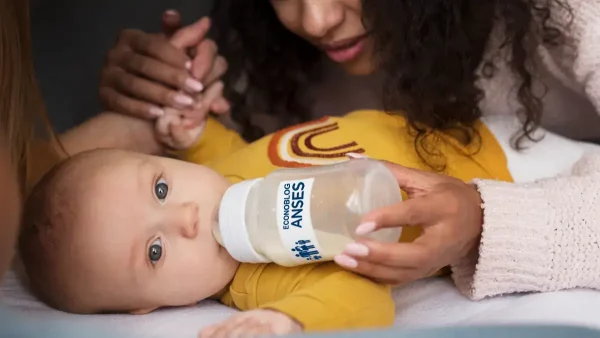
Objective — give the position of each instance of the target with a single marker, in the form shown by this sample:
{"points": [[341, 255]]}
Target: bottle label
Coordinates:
{"points": [[294, 221]]}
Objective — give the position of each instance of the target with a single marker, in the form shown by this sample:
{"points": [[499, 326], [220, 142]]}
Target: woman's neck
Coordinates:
{"points": [[339, 93]]}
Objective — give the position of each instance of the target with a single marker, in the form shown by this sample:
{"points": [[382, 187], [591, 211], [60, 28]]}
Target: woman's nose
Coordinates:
{"points": [[322, 17], [185, 219]]}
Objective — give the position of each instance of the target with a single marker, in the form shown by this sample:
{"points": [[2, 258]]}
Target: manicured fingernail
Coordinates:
{"points": [[155, 111], [365, 228], [170, 12], [188, 65], [345, 261], [357, 250], [194, 85], [356, 155], [183, 99]]}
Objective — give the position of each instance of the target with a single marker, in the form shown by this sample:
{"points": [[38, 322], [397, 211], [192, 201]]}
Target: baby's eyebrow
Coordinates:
{"points": [[144, 175], [136, 260]]}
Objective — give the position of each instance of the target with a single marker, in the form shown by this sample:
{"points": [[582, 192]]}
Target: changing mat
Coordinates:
{"points": [[426, 303]]}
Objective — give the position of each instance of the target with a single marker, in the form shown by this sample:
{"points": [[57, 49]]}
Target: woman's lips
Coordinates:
{"points": [[345, 50]]}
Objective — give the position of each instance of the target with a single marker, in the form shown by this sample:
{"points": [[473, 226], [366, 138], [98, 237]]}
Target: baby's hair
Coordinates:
{"points": [[49, 217]]}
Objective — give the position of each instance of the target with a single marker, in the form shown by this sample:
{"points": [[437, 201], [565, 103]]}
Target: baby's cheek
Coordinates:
{"points": [[187, 276]]}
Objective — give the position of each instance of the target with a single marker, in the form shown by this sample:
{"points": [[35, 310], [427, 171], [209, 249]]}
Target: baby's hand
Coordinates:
{"points": [[253, 324], [172, 131], [181, 129]]}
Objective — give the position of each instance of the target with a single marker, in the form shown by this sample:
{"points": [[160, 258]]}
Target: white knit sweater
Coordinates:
{"points": [[544, 236]]}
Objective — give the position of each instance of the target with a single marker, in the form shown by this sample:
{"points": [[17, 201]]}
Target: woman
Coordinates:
{"points": [[20, 105], [443, 63]]}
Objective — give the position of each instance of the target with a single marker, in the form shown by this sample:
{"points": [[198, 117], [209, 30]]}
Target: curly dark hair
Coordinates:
{"points": [[429, 51]]}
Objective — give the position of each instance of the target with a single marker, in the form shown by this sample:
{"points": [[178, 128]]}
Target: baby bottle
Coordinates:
{"points": [[305, 215]]}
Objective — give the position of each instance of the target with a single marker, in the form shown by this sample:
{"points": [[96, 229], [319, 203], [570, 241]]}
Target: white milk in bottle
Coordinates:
{"points": [[305, 215]]}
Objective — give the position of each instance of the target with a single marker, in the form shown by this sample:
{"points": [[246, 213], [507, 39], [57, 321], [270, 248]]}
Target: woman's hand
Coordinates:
{"points": [[146, 72], [450, 213]]}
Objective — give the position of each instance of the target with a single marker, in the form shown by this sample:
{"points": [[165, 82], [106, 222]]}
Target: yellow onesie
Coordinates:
{"points": [[323, 296]]}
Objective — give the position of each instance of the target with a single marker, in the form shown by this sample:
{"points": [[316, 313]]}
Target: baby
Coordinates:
{"points": [[115, 231]]}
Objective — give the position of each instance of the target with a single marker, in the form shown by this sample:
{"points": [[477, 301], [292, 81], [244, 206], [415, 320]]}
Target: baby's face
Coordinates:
{"points": [[145, 235]]}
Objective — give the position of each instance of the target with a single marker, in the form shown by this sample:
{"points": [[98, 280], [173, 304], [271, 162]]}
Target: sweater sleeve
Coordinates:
{"points": [[537, 237], [578, 58]]}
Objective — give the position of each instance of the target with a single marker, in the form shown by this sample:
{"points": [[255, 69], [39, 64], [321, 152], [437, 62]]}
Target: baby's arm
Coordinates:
{"points": [[314, 297], [329, 298]]}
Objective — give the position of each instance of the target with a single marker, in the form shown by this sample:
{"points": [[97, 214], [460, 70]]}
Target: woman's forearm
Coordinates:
{"points": [[537, 237]]}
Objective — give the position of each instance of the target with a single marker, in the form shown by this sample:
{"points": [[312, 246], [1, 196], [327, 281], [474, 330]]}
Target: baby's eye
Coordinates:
{"points": [[161, 189], [155, 251]]}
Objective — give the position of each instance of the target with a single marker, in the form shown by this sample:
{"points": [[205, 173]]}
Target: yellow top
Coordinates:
{"points": [[323, 296]]}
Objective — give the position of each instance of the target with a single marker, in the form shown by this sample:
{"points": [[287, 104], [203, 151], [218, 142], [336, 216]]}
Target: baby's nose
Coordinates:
{"points": [[188, 220]]}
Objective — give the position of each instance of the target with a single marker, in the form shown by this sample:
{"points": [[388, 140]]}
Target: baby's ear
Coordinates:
{"points": [[143, 311]]}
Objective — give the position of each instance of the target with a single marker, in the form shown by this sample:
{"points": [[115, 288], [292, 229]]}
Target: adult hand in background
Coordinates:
{"points": [[144, 73], [450, 213]]}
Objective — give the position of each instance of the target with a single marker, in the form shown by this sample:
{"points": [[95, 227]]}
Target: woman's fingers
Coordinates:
{"points": [[449, 211], [392, 263], [164, 73], [147, 73], [412, 212], [155, 46], [149, 91], [171, 22], [122, 78], [118, 102], [141, 74], [385, 274], [192, 35], [206, 55], [414, 181], [403, 255]]}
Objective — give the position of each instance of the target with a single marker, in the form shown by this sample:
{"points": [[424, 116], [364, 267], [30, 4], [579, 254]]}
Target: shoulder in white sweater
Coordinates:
{"points": [[566, 73], [545, 235]]}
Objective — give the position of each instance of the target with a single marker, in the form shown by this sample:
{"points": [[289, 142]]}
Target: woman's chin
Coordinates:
{"points": [[359, 67]]}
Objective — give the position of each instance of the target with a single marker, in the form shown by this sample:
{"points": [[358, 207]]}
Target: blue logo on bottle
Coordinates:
{"points": [[293, 204], [304, 249]]}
